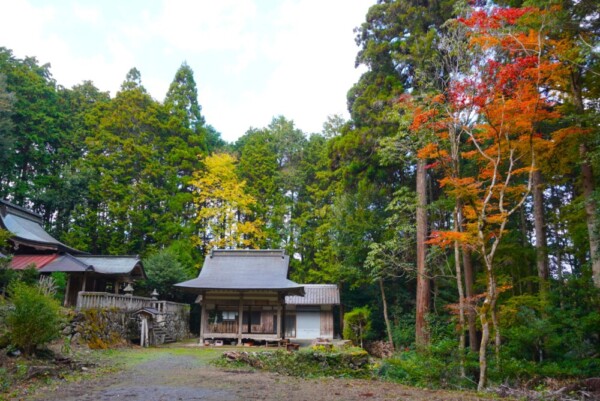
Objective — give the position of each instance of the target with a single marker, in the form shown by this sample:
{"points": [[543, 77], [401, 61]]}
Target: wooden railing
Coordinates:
{"points": [[167, 306], [88, 300]]}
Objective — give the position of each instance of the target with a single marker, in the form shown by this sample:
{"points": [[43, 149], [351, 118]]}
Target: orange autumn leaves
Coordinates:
{"points": [[508, 98]]}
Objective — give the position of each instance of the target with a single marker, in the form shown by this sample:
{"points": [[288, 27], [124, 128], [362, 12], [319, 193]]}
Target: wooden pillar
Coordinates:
{"points": [[203, 320], [240, 320], [144, 332], [84, 281], [117, 282], [249, 319], [283, 317], [67, 290], [279, 321]]}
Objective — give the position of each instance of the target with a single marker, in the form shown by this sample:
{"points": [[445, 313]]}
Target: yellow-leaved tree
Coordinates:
{"points": [[224, 213]]}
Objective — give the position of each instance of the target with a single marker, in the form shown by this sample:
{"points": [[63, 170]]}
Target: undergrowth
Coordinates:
{"points": [[304, 363]]}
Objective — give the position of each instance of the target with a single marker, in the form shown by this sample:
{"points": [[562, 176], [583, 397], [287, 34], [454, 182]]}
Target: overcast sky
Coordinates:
{"points": [[252, 59]]}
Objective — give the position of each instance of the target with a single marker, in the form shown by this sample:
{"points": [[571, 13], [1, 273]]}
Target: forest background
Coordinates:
{"points": [[458, 203]]}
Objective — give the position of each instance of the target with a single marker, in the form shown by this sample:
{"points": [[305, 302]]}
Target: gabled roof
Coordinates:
{"points": [[113, 264], [244, 270], [26, 228], [316, 294], [66, 263], [20, 262], [108, 265]]}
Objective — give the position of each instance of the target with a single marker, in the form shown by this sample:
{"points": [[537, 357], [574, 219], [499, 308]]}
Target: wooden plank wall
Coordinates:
{"points": [[327, 323]]}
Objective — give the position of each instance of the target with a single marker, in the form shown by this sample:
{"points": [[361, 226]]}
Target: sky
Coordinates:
{"points": [[252, 59]]}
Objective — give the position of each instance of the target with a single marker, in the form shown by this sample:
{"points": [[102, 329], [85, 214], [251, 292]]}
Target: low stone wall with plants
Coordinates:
{"points": [[177, 324], [102, 328], [315, 362]]}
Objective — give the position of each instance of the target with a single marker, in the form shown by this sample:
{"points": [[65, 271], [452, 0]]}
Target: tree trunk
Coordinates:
{"points": [[587, 178], [488, 304], [540, 231], [497, 338], [423, 282], [471, 313], [469, 276], [485, 335], [461, 296], [388, 326], [590, 211]]}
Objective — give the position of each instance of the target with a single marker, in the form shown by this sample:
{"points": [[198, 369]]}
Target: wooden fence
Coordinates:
{"points": [[88, 300]]}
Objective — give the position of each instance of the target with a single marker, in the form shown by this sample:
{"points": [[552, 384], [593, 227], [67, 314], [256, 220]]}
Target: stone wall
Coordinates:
{"points": [[102, 328], [177, 324]]}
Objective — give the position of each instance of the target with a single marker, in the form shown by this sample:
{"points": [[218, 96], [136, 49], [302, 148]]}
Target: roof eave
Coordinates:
{"points": [[285, 290]]}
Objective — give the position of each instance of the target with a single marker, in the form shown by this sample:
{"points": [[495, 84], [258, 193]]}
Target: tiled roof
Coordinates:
{"points": [[244, 270], [20, 262], [26, 227], [110, 265], [66, 263], [316, 294]]}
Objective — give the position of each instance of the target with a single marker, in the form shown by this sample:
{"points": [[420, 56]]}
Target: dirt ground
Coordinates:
{"points": [[174, 375]]}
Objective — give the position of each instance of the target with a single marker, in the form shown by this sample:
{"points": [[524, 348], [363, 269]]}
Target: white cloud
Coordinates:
{"points": [[312, 49], [23, 27], [251, 62], [85, 13], [198, 26]]}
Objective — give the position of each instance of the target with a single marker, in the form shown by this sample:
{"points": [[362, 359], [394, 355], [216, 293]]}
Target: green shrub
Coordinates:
{"points": [[35, 318], [437, 366], [403, 331], [5, 380], [306, 363], [357, 325]]}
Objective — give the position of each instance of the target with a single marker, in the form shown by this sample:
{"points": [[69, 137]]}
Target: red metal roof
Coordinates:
{"points": [[20, 262]]}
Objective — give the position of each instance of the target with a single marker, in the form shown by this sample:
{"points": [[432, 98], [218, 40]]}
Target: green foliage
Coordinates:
{"points": [[357, 325], [4, 237], [434, 367], [5, 308], [187, 255], [6, 123], [28, 276], [403, 331], [35, 319], [60, 283], [562, 330], [163, 271], [308, 363]]}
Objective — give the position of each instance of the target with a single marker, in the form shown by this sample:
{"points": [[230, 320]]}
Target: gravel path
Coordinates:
{"points": [[172, 376]]}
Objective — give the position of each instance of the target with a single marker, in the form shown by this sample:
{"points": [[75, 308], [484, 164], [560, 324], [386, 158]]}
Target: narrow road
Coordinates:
{"points": [[171, 375]]}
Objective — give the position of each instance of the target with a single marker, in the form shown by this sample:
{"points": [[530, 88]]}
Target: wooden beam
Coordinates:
{"points": [[240, 320], [203, 321], [283, 319], [279, 321]]}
